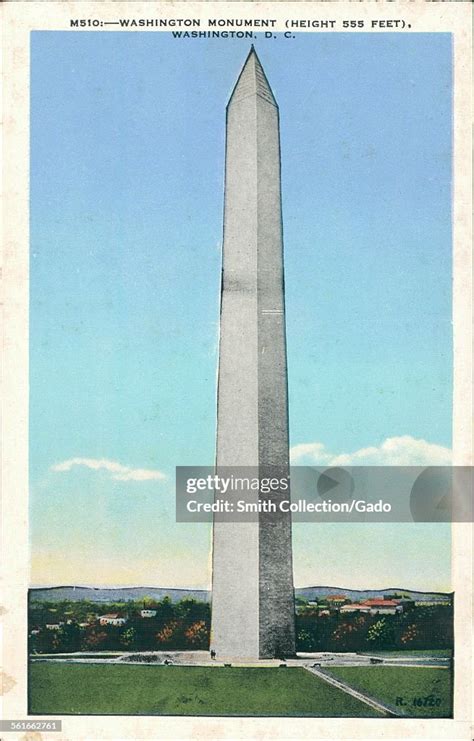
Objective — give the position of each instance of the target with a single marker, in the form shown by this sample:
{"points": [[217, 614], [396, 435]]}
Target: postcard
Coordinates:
{"points": [[238, 380]]}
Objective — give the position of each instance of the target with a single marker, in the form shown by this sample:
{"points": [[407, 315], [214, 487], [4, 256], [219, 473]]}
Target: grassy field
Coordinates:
{"points": [[179, 690], [387, 683]]}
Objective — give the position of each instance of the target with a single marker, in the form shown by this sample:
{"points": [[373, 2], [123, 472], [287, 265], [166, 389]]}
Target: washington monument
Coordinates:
{"points": [[252, 590]]}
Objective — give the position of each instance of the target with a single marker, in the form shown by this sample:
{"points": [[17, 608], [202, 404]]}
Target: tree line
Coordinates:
{"points": [[186, 625], [421, 628]]}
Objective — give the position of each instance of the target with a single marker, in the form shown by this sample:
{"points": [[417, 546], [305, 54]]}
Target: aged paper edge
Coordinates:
{"points": [[19, 20]]}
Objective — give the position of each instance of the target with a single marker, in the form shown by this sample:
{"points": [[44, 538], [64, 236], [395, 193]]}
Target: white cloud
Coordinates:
{"points": [[118, 471], [394, 451], [309, 452]]}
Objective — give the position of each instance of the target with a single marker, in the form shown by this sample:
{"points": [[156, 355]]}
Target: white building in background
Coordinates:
{"points": [[112, 618], [354, 607]]}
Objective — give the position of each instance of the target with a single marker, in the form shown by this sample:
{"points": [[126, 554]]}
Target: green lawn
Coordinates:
{"points": [[179, 690], [387, 683]]}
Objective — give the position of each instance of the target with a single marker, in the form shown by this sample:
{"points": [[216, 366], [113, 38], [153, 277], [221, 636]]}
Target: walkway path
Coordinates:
{"points": [[362, 696], [202, 658]]}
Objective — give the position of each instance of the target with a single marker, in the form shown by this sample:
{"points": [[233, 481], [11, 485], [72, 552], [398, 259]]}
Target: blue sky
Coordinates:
{"points": [[127, 159]]}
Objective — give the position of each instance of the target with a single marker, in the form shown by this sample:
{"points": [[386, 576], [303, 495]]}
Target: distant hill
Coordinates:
{"points": [[115, 594], [124, 594], [314, 593]]}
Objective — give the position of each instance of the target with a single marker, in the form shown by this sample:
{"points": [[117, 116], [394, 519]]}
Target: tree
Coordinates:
{"points": [[409, 635], [43, 642], [129, 637], [69, 637], [305, 641], [343, 635], [192, 611], [168, 633], [381, 634], [197, 635], [94, 639]]}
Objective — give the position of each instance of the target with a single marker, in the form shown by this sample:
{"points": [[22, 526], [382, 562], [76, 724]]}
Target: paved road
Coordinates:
{"points": [[201, 658], [354, 659]]}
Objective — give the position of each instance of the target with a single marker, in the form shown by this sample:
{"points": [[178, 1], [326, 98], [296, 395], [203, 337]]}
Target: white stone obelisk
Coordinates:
{"points": [[252, 589]]}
